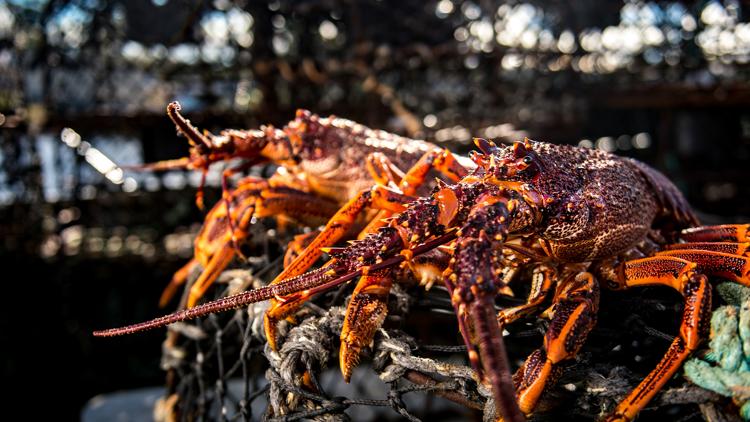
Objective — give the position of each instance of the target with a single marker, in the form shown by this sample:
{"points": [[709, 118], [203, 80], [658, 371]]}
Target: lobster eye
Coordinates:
{"points": [[527, 160]]}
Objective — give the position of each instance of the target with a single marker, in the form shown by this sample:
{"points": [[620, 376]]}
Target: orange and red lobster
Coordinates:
{"points": [[320, 169], [575, 218]]}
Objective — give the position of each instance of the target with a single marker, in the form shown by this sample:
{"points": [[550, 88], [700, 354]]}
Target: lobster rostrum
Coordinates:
{"points": [[320, 169], [580, 218]]}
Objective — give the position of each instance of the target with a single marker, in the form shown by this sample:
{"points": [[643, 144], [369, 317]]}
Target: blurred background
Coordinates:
{"points": [[85, 246]]}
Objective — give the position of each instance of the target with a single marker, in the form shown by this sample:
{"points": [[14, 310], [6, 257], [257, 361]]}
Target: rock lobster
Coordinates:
{"points": [[320, 168], [576, 218]]}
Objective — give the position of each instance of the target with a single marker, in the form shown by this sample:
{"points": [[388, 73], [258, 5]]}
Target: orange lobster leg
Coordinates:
{"points": [[364, 315], [219, 261], [384, 173], [680, 275], [732, 267], [252, 198], [542, 280], [573, 315], [214, 235], [723, 233], [732, 248], [379, 197], [297, 245], [382, 170], [368, 306], [303, 207], [178, 279], [296, 262], [226, 196], [269, 202], [440, 160]]}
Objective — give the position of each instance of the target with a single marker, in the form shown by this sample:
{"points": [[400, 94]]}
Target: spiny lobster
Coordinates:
{"points": [[320, 168], [579, 217]]}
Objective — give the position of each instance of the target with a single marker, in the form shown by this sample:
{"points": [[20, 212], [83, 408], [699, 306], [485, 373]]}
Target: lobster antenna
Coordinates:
{"points": [[239, 300], [314, 281], [176, 164], [187, 129]]}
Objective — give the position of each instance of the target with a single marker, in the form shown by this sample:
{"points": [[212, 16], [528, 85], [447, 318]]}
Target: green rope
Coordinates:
{"points": [[725, 369]]}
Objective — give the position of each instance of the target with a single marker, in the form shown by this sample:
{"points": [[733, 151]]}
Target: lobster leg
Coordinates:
{"points": [[297, 245], [573, 315], [382, 170], [364, 315], [681, 275], [732, 248], [219, 261], [368, 307], [379, 197], [227, 198], [211, 241], [253, 198], [732, 267], [440, 160], [178, 279], [268, 202], [542, 281], [722, 233]]}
